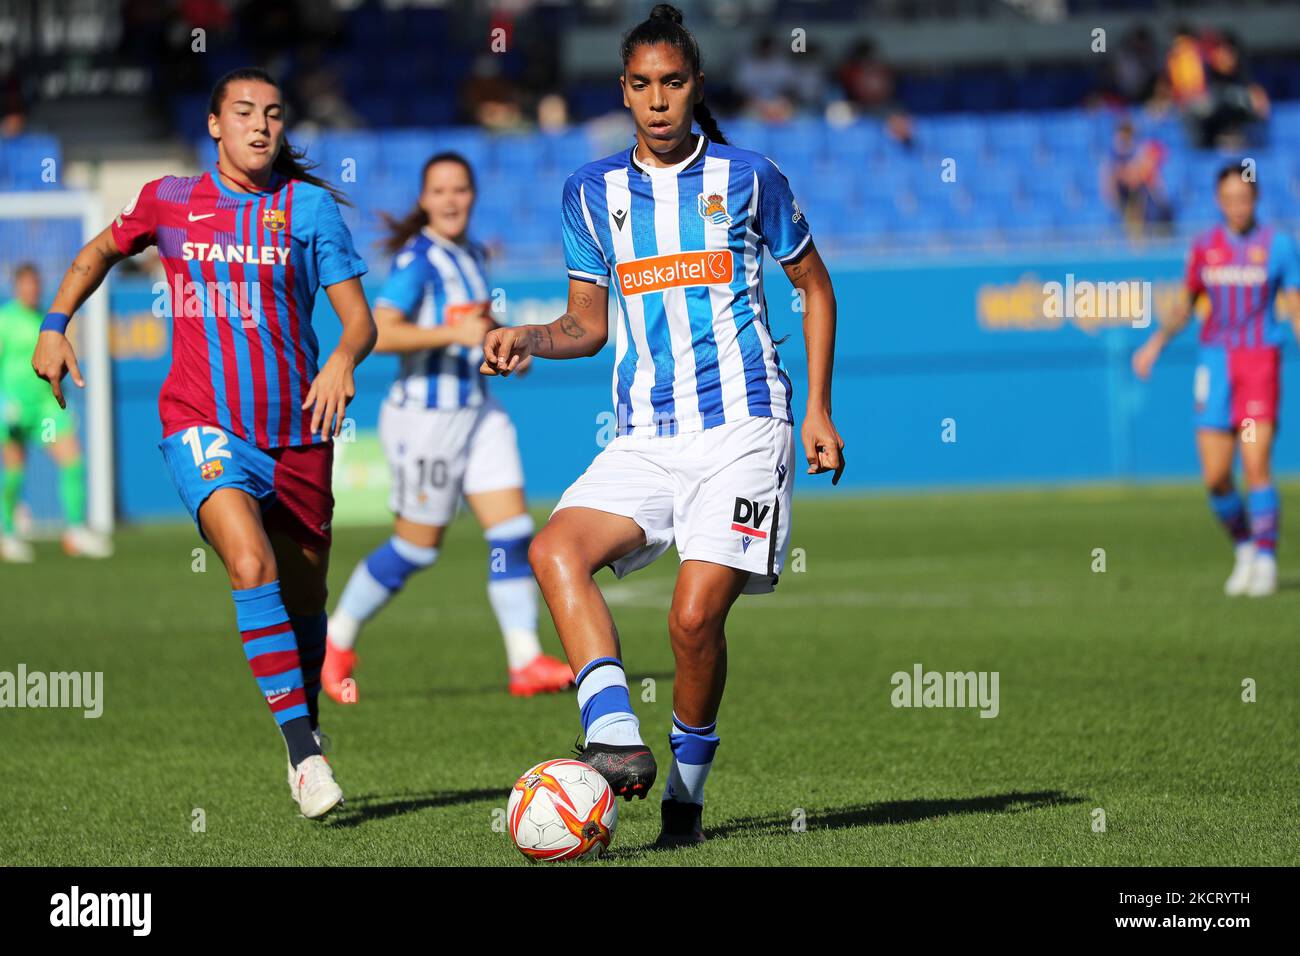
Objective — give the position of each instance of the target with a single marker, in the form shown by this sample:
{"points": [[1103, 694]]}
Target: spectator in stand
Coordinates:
{"points": [[1185, 64], [489, 98], [1236, 101], [867, 81], [1133, 184], [318, 92], [13, 110], [810, 87], [868, 85], [1135, 68], [769, 81]]}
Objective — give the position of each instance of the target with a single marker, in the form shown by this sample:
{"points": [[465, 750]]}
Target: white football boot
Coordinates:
{"points": [[16, 550], [314, 787], [323, 742], [1263, 576], [80, 542], [1239, 580]]}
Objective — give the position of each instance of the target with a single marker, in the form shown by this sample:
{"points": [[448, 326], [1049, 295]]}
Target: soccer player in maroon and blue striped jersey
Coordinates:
{"points": [[247, 412], [1241, 268]]}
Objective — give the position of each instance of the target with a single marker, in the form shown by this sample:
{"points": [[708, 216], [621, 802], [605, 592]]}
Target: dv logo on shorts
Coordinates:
{"points": [[210, 470], [748, 518]]}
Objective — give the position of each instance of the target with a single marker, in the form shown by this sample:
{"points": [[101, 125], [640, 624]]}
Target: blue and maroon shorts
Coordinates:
{"points": [[1234, 384], [292, 484]]}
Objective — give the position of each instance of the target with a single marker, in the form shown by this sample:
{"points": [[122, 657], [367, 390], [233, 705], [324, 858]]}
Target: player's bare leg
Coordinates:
{"points": [[12, 547], [1263, 505], [508, 528], [1216, 449], [702, 599], [232, 522], [565, 556]]}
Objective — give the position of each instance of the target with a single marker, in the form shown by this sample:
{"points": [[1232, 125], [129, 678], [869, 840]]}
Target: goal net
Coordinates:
{"points": [[47, 229]]}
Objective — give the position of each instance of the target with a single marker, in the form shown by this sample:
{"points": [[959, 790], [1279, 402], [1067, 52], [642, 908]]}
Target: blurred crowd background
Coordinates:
{"points": [[951, 157], [1067, 120]]}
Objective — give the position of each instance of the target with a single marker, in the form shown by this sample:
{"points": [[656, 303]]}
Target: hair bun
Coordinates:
{"points": [[666, 11]]}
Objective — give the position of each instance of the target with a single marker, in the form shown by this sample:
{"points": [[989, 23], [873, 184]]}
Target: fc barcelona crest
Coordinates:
{"points": [[273, 219], [211, 469], [713, 209]]}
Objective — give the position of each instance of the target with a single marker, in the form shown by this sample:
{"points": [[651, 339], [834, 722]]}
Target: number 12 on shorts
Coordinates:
{"points": [[216, 447]]}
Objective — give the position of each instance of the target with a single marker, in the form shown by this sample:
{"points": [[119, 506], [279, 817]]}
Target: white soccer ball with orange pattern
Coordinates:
{"points": [[562, 810]]}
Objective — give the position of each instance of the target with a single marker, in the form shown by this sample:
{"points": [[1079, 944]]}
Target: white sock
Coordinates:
{"points": [[617, 726], [512, 590], [696, 747], [393, 562], [515, 602]]}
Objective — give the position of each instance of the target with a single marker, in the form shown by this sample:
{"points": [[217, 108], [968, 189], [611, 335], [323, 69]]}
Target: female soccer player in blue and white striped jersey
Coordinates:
{"points": [[704, 456], [444, 435]]}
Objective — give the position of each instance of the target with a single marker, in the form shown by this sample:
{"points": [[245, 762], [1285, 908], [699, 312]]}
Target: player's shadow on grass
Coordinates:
{"points": [[367, 809], [875, 814]]}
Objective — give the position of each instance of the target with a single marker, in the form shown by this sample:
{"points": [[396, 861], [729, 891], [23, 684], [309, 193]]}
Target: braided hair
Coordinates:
{"points": [[664, 25]]}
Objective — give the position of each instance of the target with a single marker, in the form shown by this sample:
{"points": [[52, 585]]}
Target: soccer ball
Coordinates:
{"points": [[562, 810]]}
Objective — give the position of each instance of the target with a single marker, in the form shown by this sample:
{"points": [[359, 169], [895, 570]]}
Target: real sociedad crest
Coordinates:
{"points": [[273, 219], [714, 210]]}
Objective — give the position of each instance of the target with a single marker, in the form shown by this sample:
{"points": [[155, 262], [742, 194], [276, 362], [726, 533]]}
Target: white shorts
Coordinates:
{"points": [[437, 454], [721, 495]]}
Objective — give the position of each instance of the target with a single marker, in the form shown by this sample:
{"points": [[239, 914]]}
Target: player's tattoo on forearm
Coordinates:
{"points": [[582, 300], [541, 339], [571, 327]]}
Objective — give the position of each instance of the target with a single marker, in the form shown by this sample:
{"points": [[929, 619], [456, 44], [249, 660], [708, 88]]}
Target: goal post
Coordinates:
{"points": [[49, 228]]}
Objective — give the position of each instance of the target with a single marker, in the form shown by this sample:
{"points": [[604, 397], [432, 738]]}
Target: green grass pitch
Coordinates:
{"points": [[1119, 690]]}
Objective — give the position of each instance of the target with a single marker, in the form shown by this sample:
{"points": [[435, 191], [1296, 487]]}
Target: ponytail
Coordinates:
{"points": [[708, 125], [664, 25]]}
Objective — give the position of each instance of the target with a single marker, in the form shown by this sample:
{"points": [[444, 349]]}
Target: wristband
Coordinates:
{"points": [[55, 322]]}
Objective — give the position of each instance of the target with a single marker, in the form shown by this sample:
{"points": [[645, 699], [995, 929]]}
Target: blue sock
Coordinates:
{"points": [[272, 652], [1265, 516], [511, 588], [1230, 511], [693, 750], [309, 631], [373, 582], [603, 700]]}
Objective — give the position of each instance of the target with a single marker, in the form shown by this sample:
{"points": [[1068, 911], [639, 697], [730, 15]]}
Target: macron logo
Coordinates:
{"points": [[103, 909]]}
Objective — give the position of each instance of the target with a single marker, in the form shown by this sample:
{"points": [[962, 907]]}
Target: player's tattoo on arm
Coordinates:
{"points": [[581, 300], [798, 270], [570, 326], [542, 342]]}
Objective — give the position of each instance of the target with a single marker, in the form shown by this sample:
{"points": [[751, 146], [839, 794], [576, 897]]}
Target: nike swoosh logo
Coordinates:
{"points": [[625, 761], [206, 215], [277, 697]]}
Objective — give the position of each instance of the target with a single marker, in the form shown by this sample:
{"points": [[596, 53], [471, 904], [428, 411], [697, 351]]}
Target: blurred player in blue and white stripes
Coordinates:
{"points": [[704, 457], [444, 435]]}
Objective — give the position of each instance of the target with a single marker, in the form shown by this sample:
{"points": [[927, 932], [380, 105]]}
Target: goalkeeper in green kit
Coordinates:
{"points": [[29, 414]]}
